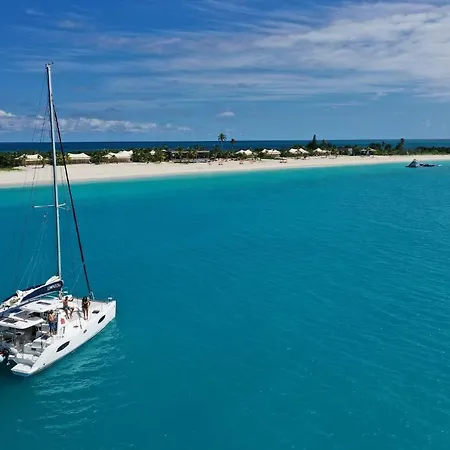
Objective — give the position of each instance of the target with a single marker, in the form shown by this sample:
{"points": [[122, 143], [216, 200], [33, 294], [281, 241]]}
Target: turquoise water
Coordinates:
{"points": [[286, 310]]}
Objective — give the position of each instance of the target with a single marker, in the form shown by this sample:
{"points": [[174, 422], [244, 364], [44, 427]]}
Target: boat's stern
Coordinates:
{"points": [[22, 370]]}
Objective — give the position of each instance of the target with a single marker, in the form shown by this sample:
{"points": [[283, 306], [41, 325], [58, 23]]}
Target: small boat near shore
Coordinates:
{"points": [[415, 164]]}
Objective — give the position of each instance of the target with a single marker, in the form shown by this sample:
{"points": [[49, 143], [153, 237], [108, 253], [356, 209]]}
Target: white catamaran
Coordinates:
{"points": [[41, 324]]}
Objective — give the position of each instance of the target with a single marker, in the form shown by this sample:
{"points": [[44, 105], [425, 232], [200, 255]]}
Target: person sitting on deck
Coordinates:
{"points": [[66, 308], [85, 303], [52, 322]]}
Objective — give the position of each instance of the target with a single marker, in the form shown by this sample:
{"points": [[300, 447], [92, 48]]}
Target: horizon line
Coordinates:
{"points": [[229, 141]]}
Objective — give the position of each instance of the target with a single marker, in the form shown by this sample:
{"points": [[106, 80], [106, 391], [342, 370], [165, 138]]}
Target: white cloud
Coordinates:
{"points": [[226, 114], [11, 123], [171, 126], [5, 114], [15, 123], [33, 12], [83, 124], [367, 48], [67, 24]]}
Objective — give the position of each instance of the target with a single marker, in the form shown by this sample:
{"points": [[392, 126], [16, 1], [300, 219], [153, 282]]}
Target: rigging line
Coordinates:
{"points": [[43, 129], [67, 229], [70, 245], [36, 167], [39, 109], [44, 123], [33, 182], [25, 223], [43, 132], [39, 259], [73, 205], [30, 197], [65, 223], [77, 278], [33, 258]]}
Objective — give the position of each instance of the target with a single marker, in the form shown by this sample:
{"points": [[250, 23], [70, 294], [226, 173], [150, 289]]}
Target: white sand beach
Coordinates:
{"points": [[85, 173]]}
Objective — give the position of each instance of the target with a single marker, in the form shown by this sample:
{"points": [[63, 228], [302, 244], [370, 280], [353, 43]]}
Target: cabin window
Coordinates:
{"points": [[101, 319], [62, 347], [96, 311]]}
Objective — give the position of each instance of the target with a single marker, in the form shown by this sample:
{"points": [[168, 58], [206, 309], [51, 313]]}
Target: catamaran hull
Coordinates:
{"points": [[62, 348]]}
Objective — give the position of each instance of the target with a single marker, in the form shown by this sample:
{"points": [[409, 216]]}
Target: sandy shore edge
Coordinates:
{"points": [[87, 173]]}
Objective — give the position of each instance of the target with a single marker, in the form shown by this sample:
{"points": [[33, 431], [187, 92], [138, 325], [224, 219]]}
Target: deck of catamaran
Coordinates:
{"points": [[25, 331]]}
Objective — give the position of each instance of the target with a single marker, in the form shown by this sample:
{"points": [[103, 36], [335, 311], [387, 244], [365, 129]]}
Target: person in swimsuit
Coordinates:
{"points": [[52, 322], [85, 303], [67, 309]]}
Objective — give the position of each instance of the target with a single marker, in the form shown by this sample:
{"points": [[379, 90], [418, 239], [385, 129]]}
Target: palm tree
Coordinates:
{"points": [[401, 145], [137, 155], [197, 149], [232, 142], [147, 157], [9, 160], [160, 155], [168, 154], [191, 153], [180, 152], [222, 138], [98, 157], [59, 159], [214, 153]]}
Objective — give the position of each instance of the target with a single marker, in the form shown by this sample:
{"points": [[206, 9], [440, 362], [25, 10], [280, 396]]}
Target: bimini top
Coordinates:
{"points": [[54, 284], [18, 319]]}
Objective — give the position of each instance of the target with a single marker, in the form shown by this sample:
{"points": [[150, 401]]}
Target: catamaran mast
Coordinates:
{"points": [[55, 184]]}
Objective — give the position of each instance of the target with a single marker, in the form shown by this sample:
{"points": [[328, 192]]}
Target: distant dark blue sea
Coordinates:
{"points": [[299, 309], [91, 146]]}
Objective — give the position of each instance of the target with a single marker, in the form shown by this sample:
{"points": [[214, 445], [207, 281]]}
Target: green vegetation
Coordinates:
{"points": [[221, 138], [11, 160], [312, 144]]}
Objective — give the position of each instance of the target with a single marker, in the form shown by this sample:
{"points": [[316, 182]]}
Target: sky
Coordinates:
{"points": [[165, 70]]}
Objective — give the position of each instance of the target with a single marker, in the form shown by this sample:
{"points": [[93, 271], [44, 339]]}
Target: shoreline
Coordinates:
{"points": [[88, 173]]}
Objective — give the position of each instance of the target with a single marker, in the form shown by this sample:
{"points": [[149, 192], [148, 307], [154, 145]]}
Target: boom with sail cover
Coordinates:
{"points": [[54, 284]]}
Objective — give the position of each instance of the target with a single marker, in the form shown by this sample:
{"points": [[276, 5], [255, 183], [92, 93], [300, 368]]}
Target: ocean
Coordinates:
{"points": [[300, 309], [172, 145]]}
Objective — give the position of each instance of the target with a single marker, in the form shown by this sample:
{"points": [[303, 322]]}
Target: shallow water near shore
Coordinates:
{"points": [[299, 309]]}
